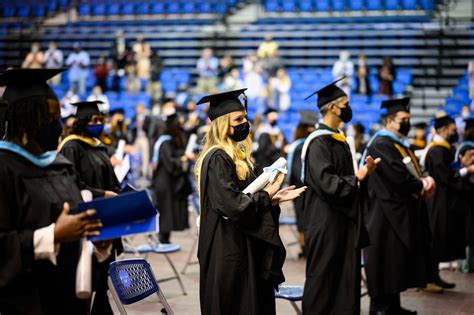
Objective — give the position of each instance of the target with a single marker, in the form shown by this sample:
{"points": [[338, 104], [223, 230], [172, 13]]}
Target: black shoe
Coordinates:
{"points": [[403, 311], [446, 285]]}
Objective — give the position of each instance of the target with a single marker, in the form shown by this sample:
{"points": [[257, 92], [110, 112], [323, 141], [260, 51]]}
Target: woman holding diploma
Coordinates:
{"points": [[240, 251], [40, 227]]}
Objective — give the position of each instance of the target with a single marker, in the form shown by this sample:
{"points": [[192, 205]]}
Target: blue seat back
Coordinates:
{"points": [[132, 279]]}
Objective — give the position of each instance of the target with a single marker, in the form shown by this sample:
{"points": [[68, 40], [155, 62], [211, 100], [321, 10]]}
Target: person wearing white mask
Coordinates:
{"points": [[344, 67]]}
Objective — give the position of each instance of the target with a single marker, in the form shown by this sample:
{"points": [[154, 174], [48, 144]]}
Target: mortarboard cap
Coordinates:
{"points": [[22, 83], [308, 117], [328, 93], [420, 125], [469, 124], [443, 121], [87, 108], [224, 103], [396, 105]]}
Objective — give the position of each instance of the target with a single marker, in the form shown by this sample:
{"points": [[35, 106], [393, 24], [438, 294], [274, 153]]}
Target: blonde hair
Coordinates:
{"points": [[239, 152]]}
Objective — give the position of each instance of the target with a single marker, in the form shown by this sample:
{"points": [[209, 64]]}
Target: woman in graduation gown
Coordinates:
{"points": [[170, 183], [40, 227], [240, 251], [91, 160]]}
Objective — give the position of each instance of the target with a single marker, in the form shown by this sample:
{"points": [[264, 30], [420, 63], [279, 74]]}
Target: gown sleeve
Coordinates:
{"points": [[323, 176], [16, 246], [227, 199], [440, 159], [392, 168]]}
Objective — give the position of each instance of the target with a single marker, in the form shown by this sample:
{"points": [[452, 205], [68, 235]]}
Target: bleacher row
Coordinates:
{"points": [[460, 96], [345, 5]]}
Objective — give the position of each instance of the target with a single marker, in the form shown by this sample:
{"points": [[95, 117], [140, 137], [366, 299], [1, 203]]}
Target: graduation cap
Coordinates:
{"points": [[396, 105], [224, 103], [308, 117], [87, 108], [443, 121], [328, 93], [22, 83]]}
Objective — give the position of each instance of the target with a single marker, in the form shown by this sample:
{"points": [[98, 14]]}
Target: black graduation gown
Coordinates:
{"points": [[334, 229], [295, 179], [92, 164], [266, 153], [467, 201], [32, 198], [171, 189], [95, 170], [397, 223], [240, 256], [447, 216]]}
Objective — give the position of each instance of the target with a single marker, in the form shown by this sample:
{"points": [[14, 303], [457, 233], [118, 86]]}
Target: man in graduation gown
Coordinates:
{"points": [[397, 220], [269, 141], [40, 227], [447, 216], [334, 228], [240, 251]]}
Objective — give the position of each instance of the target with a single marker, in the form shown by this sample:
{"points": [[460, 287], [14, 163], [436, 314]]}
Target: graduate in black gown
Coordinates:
{"points": [[269, 140], [333, 211], [307, 124], [240, 251], [465, 158], [92, 162], [170, 183], [447, 216], [397, 219], [40, 227]]}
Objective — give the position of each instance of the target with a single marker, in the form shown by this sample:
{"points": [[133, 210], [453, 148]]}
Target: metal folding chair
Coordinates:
{"points": [[132, 280], [153, 246], [292, 293]]}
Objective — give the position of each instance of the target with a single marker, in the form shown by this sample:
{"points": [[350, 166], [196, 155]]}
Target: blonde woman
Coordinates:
{"points": [[240, 251]]}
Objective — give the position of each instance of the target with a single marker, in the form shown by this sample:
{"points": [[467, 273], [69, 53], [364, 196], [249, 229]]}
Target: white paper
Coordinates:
{"points": [[260, 182], [84, 266], [120, 149], [122, 169], [191, 143], [351, 142]]}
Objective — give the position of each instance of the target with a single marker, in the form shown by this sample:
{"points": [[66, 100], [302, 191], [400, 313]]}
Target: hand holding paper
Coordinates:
{"points": [[269, 175]]}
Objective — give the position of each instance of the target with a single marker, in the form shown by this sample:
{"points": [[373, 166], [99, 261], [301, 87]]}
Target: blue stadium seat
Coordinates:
{"points": [[427, 4], [338, 5], [9, 11], [374, 5], [322, 5], [220, 8], [84, 9], [99, 9], [128, 9], [52, 7], [409, 4], [391, 5], [188, 7], [205, 7], [39, 10], [157, 8], [356, 5], [24, 11], [272, 6], [114, 9], [306, 6], [173, 8], [289, 6], [143, 8]]}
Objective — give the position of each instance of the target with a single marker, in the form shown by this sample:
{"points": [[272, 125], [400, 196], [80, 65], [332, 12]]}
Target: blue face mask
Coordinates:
{"points": [[95, 130]]}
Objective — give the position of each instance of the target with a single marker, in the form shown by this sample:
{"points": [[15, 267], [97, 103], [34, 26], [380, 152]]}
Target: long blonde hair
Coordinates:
{"points": [[239, 152]]}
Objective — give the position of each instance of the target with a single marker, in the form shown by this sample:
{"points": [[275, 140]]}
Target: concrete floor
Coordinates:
{"points": [[459, 301]]}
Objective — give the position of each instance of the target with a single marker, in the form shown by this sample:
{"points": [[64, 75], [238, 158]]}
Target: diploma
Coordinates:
{"points": [[410, 166], [84, 266], [191, 143], [350, 141], [268, 176]]}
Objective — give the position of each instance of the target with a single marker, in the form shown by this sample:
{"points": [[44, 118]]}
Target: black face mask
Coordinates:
{"points": [[404, 128], [48, 136], [274, 123], [346, 114], [241, 132], [453, 138]]}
